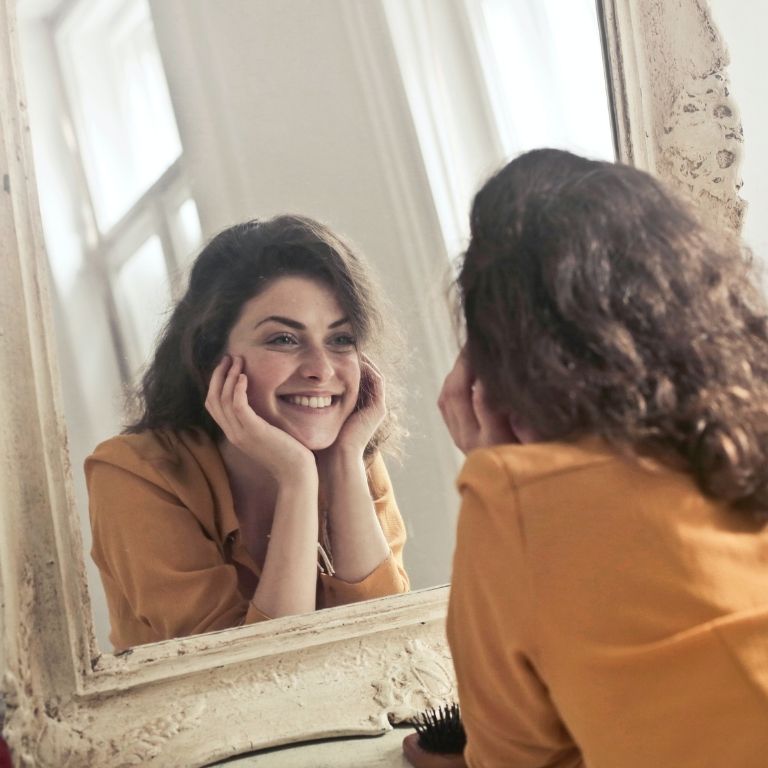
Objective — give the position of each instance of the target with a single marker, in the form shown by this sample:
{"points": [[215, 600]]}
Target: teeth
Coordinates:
{"points": [[311, 402]]}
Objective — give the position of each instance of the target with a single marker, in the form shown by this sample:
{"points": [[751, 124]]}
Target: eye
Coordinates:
{"points": [[282, 340], [344, 340]]}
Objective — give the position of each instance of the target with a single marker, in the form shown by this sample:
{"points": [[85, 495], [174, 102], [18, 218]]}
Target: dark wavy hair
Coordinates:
{"points": [[597, 302], [236, 265]]}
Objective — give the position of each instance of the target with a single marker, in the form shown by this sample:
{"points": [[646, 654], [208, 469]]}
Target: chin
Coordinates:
{"points": [[315, 442], [315, 445]]}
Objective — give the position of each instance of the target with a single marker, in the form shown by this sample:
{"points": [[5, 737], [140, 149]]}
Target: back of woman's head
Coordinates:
{"points": [[597, 303], [236, 265]]}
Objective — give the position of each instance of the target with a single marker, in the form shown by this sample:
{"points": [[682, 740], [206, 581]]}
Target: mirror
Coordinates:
{"points": [[157, 123], [348, 671]]}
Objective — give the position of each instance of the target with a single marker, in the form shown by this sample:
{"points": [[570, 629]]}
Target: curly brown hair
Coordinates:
{"points": [[236, 265], [597, 302]]}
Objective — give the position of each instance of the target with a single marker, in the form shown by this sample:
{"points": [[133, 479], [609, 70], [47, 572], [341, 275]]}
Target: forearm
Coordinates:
{"points": [[357, 542], [289, 577]]}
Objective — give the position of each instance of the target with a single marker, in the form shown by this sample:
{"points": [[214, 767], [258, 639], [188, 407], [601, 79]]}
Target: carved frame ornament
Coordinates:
{"points": [[351, 670]]}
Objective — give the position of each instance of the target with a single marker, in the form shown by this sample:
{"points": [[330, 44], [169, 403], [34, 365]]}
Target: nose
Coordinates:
{"points": [[316, 364]]}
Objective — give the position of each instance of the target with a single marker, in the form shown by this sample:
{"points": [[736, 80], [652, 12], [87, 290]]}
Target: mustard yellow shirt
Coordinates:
{"points": [[604, 613], [167, 543]]}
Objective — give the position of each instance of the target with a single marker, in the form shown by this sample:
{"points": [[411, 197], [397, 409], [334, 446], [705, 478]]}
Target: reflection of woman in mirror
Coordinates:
{"points": [[255, 460], [609, 601]]}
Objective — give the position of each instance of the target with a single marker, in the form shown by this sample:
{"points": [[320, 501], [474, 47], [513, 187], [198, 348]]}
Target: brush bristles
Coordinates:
{"points": [[440, 730]]}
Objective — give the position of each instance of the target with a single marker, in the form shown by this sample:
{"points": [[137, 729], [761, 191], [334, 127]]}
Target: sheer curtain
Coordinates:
{"points": [[488, 79]]}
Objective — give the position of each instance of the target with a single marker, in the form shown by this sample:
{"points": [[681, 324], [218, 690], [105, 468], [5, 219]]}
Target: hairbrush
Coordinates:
{"points": [[440, 730]]}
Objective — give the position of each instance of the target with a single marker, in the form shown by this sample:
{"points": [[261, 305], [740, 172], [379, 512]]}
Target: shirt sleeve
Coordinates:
{"points": [[154, 555], [389, 577], [509, 717]]}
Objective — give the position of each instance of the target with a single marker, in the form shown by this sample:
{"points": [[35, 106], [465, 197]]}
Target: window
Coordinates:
{"points": [[119, 219], [543, 66], [488, 79], [119, 102], [122, 160]]}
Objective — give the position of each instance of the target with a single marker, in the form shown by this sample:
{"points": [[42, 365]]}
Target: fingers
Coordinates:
{"points": [[371, 383], [366, 362], [228, 384], [369, 411], [213, 397], [457, 384], [494, 426], [239, 399], [228, 388], [268, 446], [464, 406], [456, 406]]}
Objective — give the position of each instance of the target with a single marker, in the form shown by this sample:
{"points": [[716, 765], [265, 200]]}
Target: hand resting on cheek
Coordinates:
{"points": [[268, 446], [365, 419], [471, 422]]}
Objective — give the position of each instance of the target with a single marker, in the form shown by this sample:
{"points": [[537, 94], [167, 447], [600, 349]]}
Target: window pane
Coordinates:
{"points": [[544, 65], [119, 99], [187, 232], [142, 298]]}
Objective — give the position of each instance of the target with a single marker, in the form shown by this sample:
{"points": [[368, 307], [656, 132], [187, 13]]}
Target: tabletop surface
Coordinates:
{"points": [[364, 752]]}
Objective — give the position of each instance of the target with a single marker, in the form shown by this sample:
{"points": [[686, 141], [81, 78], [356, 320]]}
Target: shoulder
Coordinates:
{"points": [[137, 472], [518, 466], [151, 453], [569, 480], [587, 484], [130, 451]]}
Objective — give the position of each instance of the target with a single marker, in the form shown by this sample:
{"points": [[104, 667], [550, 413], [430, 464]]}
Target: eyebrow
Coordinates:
{"points": [[295, 324]]}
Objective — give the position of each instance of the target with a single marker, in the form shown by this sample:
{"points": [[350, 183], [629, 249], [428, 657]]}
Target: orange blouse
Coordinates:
{"points": [[167, 543], [604, 613]]}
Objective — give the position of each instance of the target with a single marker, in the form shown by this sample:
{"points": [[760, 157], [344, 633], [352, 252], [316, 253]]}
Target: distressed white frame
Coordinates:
{"points": [[346, 671]]}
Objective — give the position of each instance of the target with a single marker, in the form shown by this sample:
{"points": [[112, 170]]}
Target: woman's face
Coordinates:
{"points": [[300, 356]]}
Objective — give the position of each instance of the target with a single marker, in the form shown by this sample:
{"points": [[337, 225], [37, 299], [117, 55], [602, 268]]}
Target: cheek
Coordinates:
{"points": [[257, 398], [263, 379]]}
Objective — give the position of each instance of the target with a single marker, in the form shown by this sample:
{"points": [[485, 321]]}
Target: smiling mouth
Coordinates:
{"points": [[315, 402]]}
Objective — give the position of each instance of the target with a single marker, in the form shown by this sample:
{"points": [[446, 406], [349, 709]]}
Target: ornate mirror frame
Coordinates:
{"points": [[347, 671]]}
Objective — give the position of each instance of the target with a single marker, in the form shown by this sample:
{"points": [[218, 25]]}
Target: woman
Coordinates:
{"points": [[609, 601], [255, 460]]}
